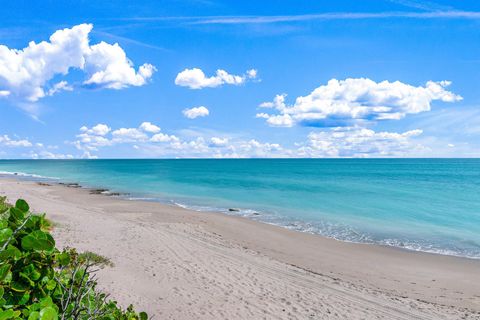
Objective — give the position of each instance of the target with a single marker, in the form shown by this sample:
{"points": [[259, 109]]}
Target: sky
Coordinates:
{"points": [[230, 79]]}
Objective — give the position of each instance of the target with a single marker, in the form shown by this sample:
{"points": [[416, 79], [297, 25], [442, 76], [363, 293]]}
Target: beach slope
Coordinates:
{"points": [[180, 264]]}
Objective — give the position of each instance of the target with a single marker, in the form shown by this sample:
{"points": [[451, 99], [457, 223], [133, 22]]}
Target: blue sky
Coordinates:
{"points": [[377, 78]]}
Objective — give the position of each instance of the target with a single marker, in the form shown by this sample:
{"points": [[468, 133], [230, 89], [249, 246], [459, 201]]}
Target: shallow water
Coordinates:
{"points": [[421, 204]]}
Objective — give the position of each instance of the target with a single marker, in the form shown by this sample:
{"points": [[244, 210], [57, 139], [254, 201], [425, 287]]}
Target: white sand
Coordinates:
{"points": [[179, 264]]}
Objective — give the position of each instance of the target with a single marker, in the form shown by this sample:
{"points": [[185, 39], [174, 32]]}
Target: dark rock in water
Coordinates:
{"points": [[98, 191], [70, 185], [234, 210], [255, 214], [15, 174]]}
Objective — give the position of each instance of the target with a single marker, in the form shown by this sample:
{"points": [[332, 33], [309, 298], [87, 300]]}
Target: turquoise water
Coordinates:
{"points": [[420, 204]]}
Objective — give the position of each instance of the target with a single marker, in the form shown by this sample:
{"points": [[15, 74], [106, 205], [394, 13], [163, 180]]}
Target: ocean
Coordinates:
{"points": [[430, 205]]}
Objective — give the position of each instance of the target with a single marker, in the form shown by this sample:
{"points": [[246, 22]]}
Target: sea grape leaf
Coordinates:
{"points": [[5, 234], [32, 272], [34, 315], [24, 299], [4, 270], [22, 205], [48, 313], [46, 302], [18, 286], [7, 314], [51, 284], [38, 241], [11, 252], [17, 213]]}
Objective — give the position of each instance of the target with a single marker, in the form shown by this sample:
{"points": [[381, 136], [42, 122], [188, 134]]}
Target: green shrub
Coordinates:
{"points": [[37, 281]]}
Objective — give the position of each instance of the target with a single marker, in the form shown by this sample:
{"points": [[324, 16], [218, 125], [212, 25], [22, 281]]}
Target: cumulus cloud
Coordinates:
{"points": [[25, 74], [326, 142], [162, 137], [359, 142], [196, 112], [101, 135], [108, 67], [24, 148], [218, 142], [354, 101], [6, 141], [99, 130], [196, 79], [50, 155], [128, 135], [160, 144], [149, 127]]}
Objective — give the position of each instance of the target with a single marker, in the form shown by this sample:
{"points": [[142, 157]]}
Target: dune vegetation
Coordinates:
{"points": [[39, 281]]}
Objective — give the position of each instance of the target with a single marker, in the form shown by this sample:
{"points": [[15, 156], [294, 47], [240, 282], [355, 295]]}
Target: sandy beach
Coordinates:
{"points": [[180, 264]]}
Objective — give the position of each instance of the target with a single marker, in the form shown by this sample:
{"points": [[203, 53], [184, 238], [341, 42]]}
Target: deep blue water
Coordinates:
{"points": [[421, 204]]}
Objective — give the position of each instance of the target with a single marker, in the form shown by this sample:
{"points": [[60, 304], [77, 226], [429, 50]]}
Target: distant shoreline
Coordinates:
{"points": [[168, 257]]}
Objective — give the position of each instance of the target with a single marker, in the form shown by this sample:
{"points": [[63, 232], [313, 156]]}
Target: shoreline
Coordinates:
{"points": [[246, 213], [375, 279]]}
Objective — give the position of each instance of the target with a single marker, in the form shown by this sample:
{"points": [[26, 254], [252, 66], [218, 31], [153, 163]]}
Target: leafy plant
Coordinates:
{"points": [[39, 282]]}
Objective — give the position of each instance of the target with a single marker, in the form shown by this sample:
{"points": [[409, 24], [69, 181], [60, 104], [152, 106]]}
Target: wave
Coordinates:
{"points": [[335, 231], [26, 175]]}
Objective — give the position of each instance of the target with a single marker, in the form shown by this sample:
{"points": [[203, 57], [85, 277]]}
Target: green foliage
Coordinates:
{"points": [[95, 258], [39, 282]]}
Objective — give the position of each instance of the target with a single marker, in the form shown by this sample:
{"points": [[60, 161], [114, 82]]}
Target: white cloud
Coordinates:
{"points": [[50, 155], [331, 142], [195, 78], [218, 142], [108, 67], [59, 86], [252, 73], [25, 74], [195, 112], [99, 130], [355, 101], [93, 138], [359, 142], [23, 148], [6, 141], [161, 137], [149, 127], [128, 135], [167, 145], [446, 13], [91, 142], [88, 155]]}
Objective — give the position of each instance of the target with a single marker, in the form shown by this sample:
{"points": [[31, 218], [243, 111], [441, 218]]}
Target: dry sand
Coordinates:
{"points": [[180, 264]]}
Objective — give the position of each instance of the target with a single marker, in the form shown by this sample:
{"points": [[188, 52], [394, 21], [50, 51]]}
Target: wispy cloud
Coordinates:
{"points": [[422, 5], [339, 16], [256, 19], [129, 40]]}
